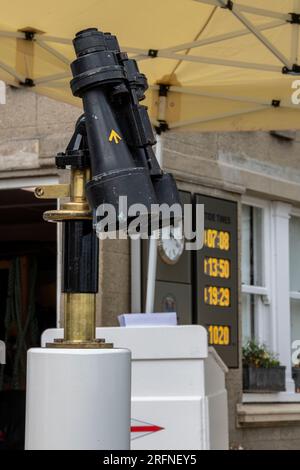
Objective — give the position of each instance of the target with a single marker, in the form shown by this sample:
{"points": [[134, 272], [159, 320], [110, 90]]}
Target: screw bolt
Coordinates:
{"points": [[39, 192]]}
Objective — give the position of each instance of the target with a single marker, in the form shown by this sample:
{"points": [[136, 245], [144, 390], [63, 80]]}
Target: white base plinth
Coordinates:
{"points": [[78, 399]]}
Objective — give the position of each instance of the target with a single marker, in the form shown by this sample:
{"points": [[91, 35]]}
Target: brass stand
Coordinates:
{"points": [[79, 307]]}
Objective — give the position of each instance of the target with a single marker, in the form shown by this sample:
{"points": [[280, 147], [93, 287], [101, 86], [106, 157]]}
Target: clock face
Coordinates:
{"points": [[171, 244]]}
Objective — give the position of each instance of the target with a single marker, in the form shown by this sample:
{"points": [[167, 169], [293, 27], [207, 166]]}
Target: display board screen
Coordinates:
{"points": [[216, 277]]}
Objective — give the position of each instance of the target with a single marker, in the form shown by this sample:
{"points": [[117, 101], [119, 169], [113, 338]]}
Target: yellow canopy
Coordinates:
{"points": [[222, 61]]}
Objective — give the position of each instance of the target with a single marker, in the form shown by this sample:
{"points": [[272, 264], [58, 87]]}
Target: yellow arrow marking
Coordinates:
{"points": [[114, 136]]}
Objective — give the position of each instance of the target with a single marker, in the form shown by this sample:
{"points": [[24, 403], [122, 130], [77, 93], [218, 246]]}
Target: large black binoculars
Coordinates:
{"points": [[116, 128]]}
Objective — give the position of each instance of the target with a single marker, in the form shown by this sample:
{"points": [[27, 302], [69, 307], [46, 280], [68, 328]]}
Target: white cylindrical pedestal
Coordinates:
{"points": [[78, 399]]}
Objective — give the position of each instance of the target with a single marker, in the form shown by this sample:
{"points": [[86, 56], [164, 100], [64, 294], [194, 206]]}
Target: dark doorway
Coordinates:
{"points": [[27, 299]]}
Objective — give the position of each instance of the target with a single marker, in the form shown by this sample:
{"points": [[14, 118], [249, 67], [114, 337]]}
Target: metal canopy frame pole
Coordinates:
{"points": [[152, 255], [190, 122], [295, 36], [248, 9], [136, 261], [222, 37], [143, 54], [136, 264], [218, 96], [12, 72], [57, 40], [52, 51], [170, 52], [215, 61], [236, 11], [136, 275], [51, 78], [12, 34]]}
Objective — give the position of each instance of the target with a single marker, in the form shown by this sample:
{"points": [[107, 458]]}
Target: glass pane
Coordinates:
{"points": [[248, 313], [295, 254], [252, 246], [246, 245], [295, 325]]}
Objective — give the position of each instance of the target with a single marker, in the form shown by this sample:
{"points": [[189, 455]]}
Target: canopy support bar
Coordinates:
{"points": [[239, 99], [144, 54], [12, 72], [214, 61], [295, 35], [53, 52], [51, 78], [219, 96], [57, 40], [295, 42], [236, 11], [202, 120], [248, 9], [10, 34], [222, 37]]}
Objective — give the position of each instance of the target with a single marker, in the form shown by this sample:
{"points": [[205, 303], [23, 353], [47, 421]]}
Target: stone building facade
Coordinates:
{"points": [[260, 170]]}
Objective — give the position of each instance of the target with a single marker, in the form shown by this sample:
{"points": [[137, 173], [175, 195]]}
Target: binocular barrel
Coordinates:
{"points": [[118, 129]]}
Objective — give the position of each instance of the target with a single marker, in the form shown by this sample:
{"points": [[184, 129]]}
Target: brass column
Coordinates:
{"points": [[79, 307], [79, 317]]}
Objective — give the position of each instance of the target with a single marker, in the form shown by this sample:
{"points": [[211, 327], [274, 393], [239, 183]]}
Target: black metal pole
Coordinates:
{"points": [[80, 257]]}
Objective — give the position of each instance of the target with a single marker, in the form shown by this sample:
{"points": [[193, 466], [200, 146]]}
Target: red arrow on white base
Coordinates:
{"points": [[140, 429]]}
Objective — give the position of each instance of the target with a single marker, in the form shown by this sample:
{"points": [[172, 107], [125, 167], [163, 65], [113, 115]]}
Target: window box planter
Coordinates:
{"points": [[262, 371], [263, 379], [296, 377]]}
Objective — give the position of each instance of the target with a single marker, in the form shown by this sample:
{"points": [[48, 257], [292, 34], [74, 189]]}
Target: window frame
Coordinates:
{"points": [[262, 294], [294, 295], [295, 212], [277, 281]]}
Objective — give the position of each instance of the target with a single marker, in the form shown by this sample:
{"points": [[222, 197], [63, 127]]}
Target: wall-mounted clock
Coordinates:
{"points": [[171, 244]]}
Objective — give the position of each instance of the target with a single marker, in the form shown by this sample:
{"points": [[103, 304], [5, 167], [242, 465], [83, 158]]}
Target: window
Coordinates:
{"points": [[271, 281], [255, 293], [294, 243]]}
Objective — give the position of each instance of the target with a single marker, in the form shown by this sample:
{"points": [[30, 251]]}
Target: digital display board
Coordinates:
{"points": [[216, 277]]}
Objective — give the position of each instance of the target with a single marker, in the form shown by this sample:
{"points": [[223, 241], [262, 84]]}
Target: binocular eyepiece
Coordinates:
{"points": [[116, 128]]}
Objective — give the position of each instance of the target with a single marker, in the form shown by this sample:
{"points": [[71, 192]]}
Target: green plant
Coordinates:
{"points": [[258, 355], [297, 364]]}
